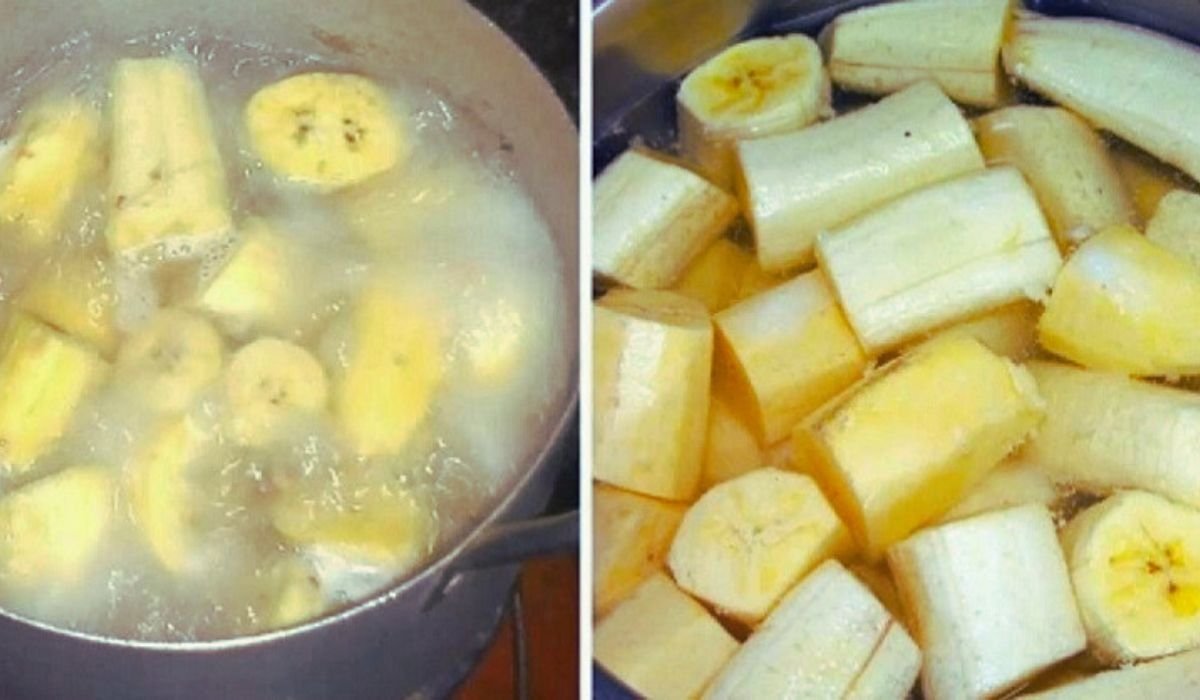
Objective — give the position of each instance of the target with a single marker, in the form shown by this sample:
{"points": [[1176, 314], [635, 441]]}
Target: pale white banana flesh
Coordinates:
{"points": [[632, 534], [651, 218], [1010, 331], [730, 449], [1013, 483], [1137, 84], [793, 186], [992, 601], [890, 46], [940, 254], [828, 638], [1171, 677], [1176, 225]]}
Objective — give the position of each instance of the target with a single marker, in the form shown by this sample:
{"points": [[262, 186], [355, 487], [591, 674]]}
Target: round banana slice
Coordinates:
{"points": [[174, 356], [1135, 565], [268, 381], [325, 129]]}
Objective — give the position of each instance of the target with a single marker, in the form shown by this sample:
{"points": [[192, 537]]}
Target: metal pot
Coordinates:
{"points": [[641, 53], [419, 638]]}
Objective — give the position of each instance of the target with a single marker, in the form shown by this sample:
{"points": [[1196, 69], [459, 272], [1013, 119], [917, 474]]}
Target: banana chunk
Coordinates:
{"points": [[252, 291], [44, 375], [992, 601], [1173, 677], [269, 381], [54, 148], [722, 275], [829, 638], [295, 593], [1125, 304], [905, 445], [330, 130], [167, 181], [632, 534], [1176, 225], [730, 448], [748, 540], [162, 497], [174, 357], [1148, 180], [76, 294], [752, 89], [1010, 331], [1016, 482], [1135, 564], [54, 527]]}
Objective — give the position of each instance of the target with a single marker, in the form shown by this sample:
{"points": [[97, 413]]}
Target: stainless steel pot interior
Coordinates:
{"points": [[421, 635], [640, 55]]}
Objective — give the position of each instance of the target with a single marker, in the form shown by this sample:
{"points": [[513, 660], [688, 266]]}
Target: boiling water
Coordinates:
{"points": [[450, 219]]}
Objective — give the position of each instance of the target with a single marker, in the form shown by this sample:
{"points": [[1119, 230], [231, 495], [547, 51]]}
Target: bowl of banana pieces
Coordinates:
{"points": [[925, 270], [287, 317]]}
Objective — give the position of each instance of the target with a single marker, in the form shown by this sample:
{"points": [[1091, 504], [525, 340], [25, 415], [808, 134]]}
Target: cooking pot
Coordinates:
{"points": [[420, 637], [643, 47]]}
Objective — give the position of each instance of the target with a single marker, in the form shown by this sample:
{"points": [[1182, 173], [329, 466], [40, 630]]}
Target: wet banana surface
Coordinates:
{"points": [[269, 339]]}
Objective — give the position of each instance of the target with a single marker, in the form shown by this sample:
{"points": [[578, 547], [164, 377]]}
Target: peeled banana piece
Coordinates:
{"points": [[755, 88], [166, 178], [174, 357], [793, 186], [1016, 482], [632, 534], [329, 130], [1147, 180], [748, 540], [722, 275], [269, 381], [992, 601], [296, 592], [1121, 78], [77, 295], [161, 495], [730, 449], [887, 47], [828, 638], [982, 242], [651, 218], [1010, 331], [44, 375], [251, 291], [1175, 676], [53, 149], [1176, 225]]}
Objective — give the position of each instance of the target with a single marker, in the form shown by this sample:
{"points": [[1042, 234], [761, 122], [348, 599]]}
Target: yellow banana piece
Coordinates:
{"points": [[162, 497], [268, 381], [330, 130], [295, 592], [174, 356], [251, 292], [75, 294], [1176, 225], [632, 534]]}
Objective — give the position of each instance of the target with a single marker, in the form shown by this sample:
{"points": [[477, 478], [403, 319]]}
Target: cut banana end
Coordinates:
{"points": [[1067, 164], [269, 381], [54, 527], [829, 638], [44, 375], [162, 497], [1010, 331], [1135, 564], [1176, 225], [992, 601], [661, 643], [167, 181], [881, 49], [748, 540], [54, 148], [722, 275], [1173, 677], [730, 449], [903, 447], [1125, 304], [783, 353], [330, 130], [755, 88], [77, 295], [252, 291], [793, 186], [653, 360], [174, 356], [632, 534]]}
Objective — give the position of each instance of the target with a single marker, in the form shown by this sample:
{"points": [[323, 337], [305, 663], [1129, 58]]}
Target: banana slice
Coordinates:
{"points": [[268, 381], [755, 88], [252, 290], [1176, 225], [174, 356], [325, 129], [76, 294], [730, 448], [632, 534], [1135, 564], [1173, 677], [295, 592], [161, 496]]}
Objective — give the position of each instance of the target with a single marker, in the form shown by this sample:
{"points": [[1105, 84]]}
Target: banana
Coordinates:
{"points": [[251, 291], [1173, 677], [1015, 482], [748, 540], [394, 367], [661, 643], [828, 638], [1135, 564], [1067, 164], [631, 534], [991, 599], [268, 381], [1146, 179], [793, 186], [1125, 304], [76, 294], [295, 592], [902, 448], [781, 354], [982, 243], [755, 88], [730, 448], [722, 275], [1174, 225], [55, 527], [166, 178], [1010, 331], [174, 356], [330, 130], [45, 375], [1121, 78], [53, 150], [878, 580], [652, 361], [651, 218], [162, 497]]}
